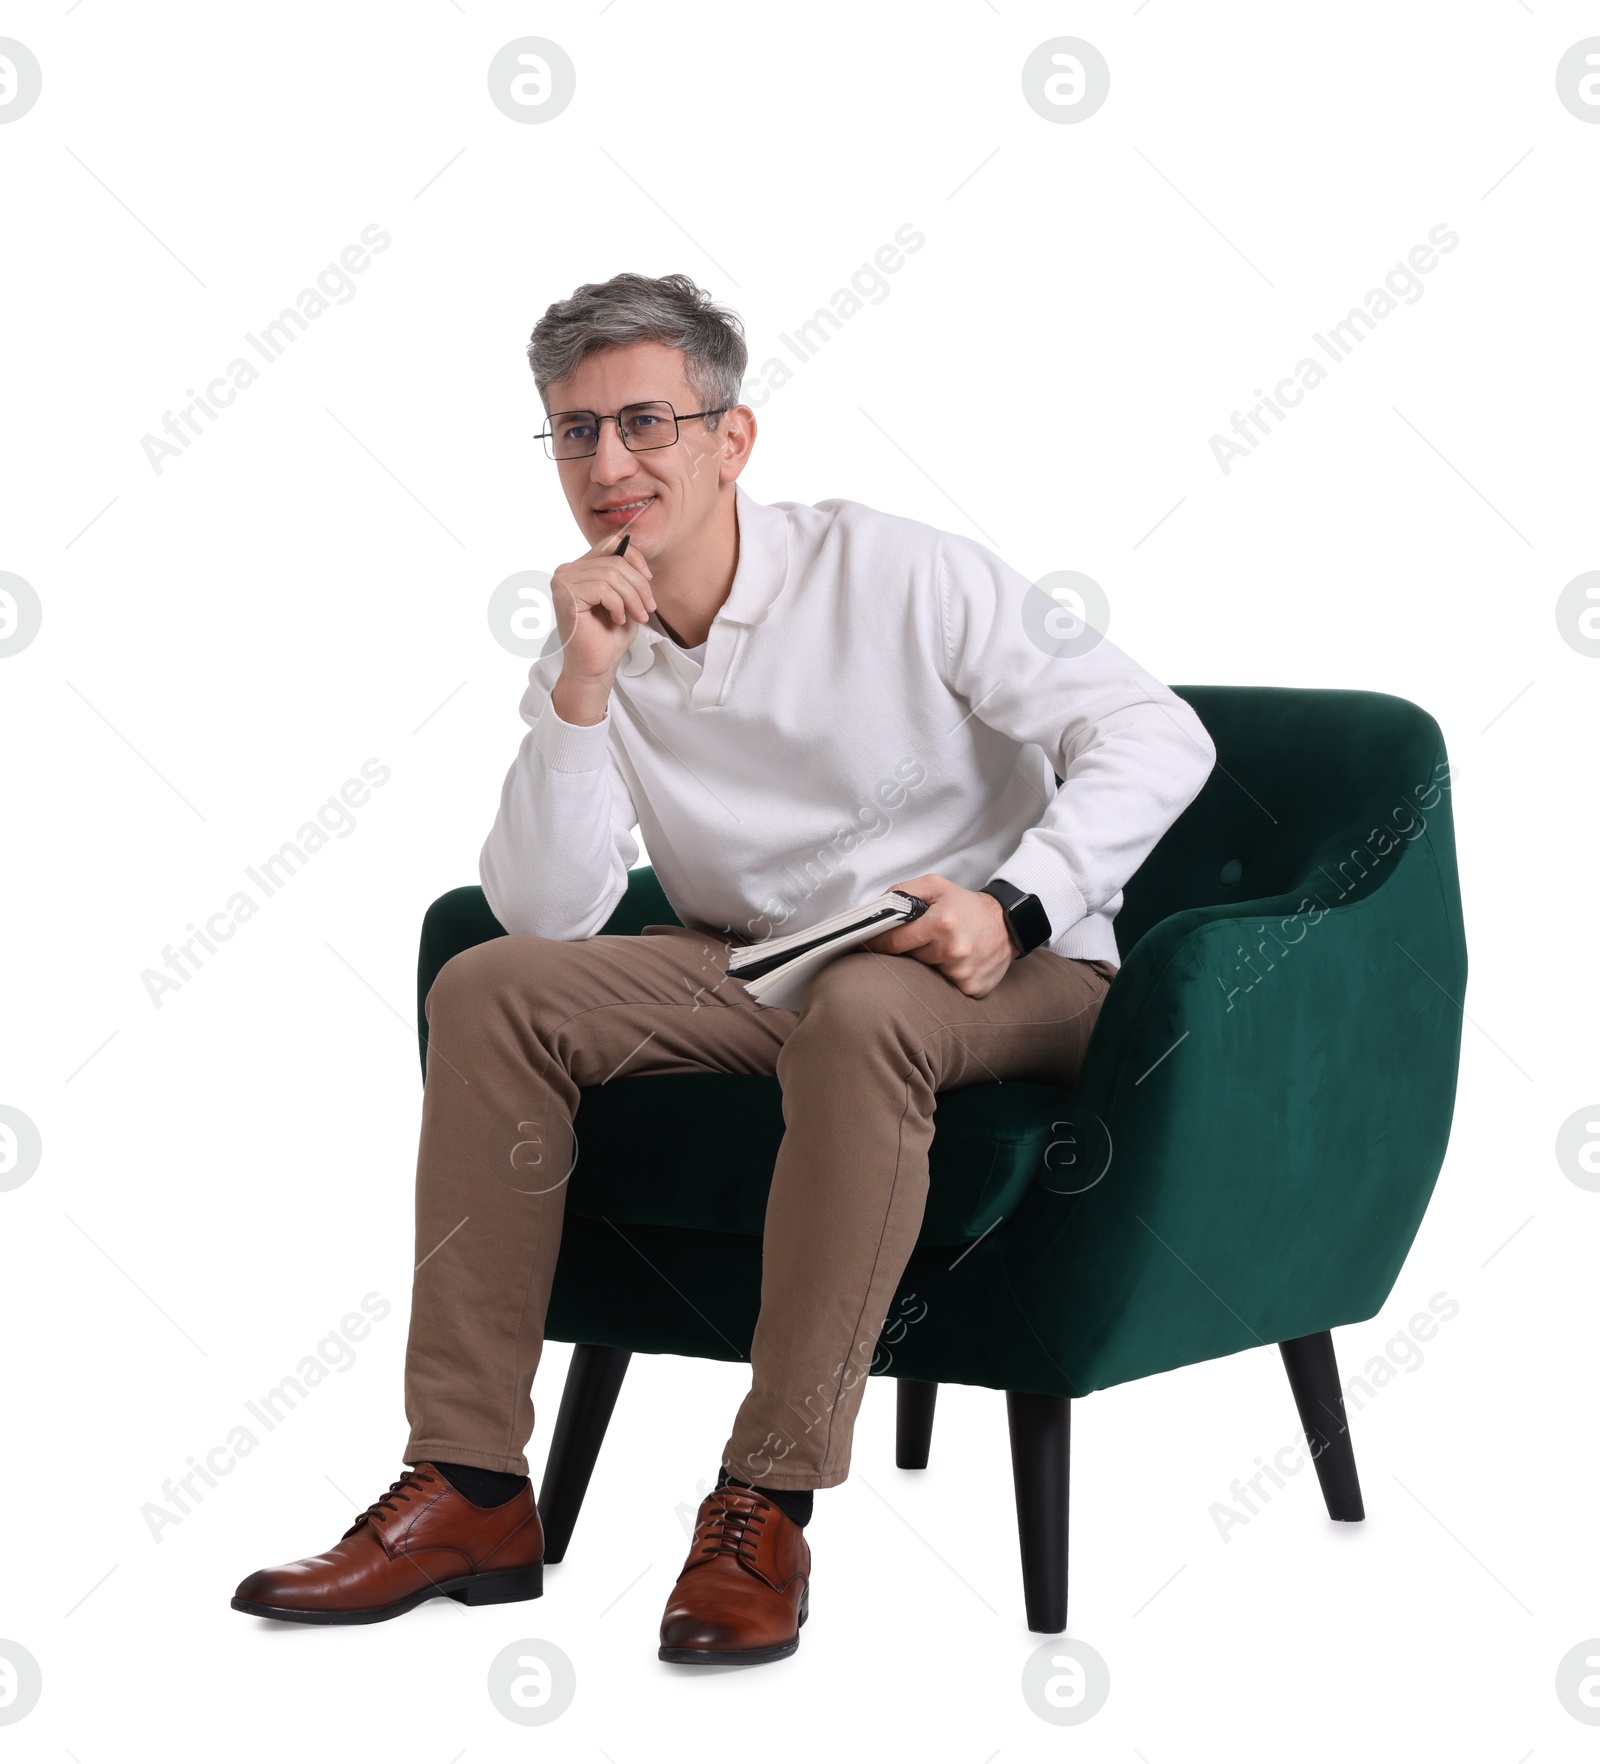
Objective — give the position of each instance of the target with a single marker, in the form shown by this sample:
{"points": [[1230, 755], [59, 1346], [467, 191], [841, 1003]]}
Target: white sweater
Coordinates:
{"points": [[871, 707]]}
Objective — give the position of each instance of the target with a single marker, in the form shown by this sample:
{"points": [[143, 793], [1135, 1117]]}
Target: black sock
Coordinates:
{"points": [[793, 1502], [484, 1488]]}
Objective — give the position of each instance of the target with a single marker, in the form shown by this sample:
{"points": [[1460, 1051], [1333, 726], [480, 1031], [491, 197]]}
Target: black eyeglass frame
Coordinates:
{"points": [[547, 434]]}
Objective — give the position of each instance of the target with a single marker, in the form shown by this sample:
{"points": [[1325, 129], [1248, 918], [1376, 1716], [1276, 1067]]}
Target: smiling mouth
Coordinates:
{"points": [[625, 511]]}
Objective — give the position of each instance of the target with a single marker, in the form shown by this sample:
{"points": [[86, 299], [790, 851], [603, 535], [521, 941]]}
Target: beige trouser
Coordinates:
{"points": [[518, 1024]]}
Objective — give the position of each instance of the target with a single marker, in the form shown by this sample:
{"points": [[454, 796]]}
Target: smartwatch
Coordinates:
{"points": [[1026, 919]]}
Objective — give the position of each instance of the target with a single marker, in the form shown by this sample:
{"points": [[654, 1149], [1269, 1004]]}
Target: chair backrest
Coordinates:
{"points": [[1303, 780]]}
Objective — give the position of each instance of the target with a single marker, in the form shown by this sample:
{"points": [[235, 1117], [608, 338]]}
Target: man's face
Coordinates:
{"points": [[677, 485]]}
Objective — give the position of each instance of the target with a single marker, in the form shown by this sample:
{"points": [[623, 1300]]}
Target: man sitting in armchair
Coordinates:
{"points": [[799, 707]]}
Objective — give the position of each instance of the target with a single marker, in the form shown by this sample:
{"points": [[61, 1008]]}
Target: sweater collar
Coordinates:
{"points": [[758, 578]]}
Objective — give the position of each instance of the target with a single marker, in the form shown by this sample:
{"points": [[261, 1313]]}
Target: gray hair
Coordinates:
{"points": [[639, 309]]}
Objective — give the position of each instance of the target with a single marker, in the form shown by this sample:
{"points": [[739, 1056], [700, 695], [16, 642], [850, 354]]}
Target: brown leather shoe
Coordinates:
{"points": [[420, 1539], [744, 1591]]}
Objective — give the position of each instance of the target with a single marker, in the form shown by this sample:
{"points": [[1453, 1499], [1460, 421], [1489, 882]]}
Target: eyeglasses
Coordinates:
{"points": [[575, 434]]}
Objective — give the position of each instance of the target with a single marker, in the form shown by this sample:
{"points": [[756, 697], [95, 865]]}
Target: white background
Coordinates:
{"points": [[226, 641]]}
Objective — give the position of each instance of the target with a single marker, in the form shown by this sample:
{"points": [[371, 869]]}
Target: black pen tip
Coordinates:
{"points": [[623, 546]]}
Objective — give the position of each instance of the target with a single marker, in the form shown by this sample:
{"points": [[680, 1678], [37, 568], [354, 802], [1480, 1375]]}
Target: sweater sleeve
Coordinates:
{"points": [[1131, 754], [556, 861]]}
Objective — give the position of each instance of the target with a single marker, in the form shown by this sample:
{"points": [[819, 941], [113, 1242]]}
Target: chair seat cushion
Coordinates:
{"points": [[697, 1150]]}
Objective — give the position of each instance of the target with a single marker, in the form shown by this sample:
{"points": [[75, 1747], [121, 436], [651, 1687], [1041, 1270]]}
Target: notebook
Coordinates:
{"points": [[778, 971]]}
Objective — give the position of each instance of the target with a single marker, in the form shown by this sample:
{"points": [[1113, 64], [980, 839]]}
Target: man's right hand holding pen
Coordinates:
{"points": [[600, 600]]}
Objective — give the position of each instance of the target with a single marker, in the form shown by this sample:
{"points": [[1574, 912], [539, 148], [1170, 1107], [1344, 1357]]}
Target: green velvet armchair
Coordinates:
{"points": [[1258, 1125]]}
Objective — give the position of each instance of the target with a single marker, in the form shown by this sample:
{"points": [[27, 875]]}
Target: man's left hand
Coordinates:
{"points": [[963, 934]]}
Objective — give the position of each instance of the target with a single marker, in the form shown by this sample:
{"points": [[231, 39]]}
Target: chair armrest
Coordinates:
{"points": [[1277, 1080], [461, 919]]}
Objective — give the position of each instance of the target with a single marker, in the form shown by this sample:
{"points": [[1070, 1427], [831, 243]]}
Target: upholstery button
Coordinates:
{"points": [[1232, 870]]}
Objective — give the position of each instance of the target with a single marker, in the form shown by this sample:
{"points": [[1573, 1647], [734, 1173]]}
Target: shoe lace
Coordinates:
{"points": [[733, 1526], [409, 1482]]}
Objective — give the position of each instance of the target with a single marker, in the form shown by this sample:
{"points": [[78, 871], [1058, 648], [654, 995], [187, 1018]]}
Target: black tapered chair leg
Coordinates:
{"points": [[593, 1381], [1314, 1379], [1041, 1457], [913, 1422]]}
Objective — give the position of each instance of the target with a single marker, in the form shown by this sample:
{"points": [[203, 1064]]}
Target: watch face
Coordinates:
{"points": [[1026, 918], [1031, 922]]}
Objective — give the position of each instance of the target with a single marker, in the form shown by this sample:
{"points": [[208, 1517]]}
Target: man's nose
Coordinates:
{"points": [[612, 460]]}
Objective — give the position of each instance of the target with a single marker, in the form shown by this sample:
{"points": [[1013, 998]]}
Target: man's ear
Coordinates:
{"points": [[738, 442]]}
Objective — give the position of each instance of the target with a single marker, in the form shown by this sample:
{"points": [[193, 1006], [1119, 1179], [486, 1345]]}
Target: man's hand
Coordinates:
{"points": [[963, 934], [600, 602]]}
